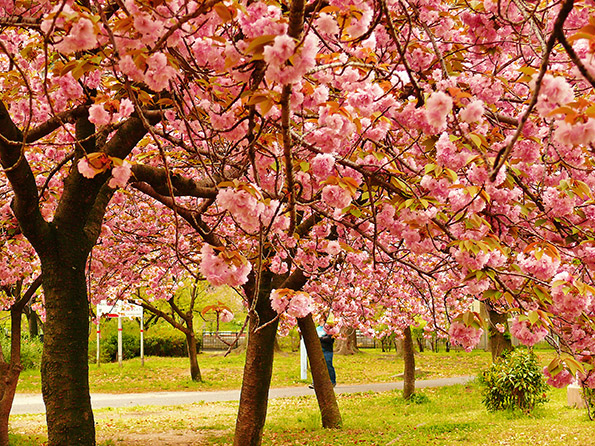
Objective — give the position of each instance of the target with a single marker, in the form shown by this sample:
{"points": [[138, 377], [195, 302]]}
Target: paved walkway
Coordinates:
{"points": [[24, 404]]}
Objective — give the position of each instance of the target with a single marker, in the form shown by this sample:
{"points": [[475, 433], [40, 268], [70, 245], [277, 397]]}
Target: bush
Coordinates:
{"points": [[109, 341], [31, 350], [130, 347], [160, 340], [164, 340], [514, 381]]}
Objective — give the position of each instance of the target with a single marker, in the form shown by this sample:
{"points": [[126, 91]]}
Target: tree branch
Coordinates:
{"points": [[504, 153], [182, 186], [25, 204]]}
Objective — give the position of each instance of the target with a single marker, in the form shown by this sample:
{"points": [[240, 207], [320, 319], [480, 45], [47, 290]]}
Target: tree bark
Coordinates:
{"points": [[9, 374], [258, 369], [325, 394], [348, 345], [64, 367], [11, 370], [409, 360], [192, 356], [498, 342]]}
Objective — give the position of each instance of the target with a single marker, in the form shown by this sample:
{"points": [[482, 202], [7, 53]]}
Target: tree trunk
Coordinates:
{"points": [[409, 359], [258, 369], [192, 347], [325, 394], [498, 342], [10, 372], [348, 345], [64, 365], [277, 345], [33, 321]]}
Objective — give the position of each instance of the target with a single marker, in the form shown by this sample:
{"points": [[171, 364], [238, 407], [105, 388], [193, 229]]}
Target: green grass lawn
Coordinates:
{"points": [[219, 372], [225, 372], [444, 416]]}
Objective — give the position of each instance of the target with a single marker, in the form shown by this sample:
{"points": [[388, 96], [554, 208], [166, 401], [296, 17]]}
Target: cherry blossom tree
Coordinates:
{"points": [[445, 145]]}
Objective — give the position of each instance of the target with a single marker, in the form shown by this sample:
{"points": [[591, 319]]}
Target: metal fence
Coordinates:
{"points": [[222, 340]]}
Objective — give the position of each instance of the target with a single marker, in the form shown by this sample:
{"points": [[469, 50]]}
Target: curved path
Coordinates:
{"points": [[24, 404]]}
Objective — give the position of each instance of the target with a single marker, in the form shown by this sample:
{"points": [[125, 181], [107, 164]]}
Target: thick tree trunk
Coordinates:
{"points": [[325, 394], [192, 347], [409, 359], [64, 367], [498, 342], [258, 370], [347, 345]]}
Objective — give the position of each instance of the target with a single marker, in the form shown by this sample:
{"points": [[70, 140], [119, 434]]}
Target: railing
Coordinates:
{"points": [[222, 340]]}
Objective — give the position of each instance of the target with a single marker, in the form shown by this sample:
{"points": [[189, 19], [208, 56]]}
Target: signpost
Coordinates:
{"points": [[121, 309]]}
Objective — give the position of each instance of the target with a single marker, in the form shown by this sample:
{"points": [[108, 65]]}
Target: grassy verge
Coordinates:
{"points": [[223, 373], [443, 416]]}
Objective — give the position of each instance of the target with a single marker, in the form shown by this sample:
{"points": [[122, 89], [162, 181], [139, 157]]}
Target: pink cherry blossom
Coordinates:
{"points": [[219, 270], [335, 196], [120, 175], [473, 112], [527, 333], [86, 169], [225, 316], [561, 379], [438, 106], [322, 165], [466, 337], [98, 115], [244, 207], [81, 37], [300, 305], [282, 48], [158, 73]]}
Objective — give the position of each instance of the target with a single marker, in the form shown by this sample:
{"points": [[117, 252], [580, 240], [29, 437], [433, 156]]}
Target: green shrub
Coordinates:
{"points": [[109, 340], [514, 381], [130, 347], [31, 350], [164, 340]]}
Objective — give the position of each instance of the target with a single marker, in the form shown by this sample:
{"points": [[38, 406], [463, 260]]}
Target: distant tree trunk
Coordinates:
{"points": [[11, 370], [32, 320], [409, 360], [420, 340], [277, 345], [258, 369], [192, 356], [498, 342], [64, 366], [325, 394], [348, 345]]}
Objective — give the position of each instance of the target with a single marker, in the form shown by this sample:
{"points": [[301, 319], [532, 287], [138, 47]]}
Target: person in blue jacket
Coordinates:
{"points": [[327, 341]]}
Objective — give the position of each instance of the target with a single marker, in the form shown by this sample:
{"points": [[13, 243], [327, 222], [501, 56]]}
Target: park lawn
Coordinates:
{"points": [[442, 416], [225, 372]]}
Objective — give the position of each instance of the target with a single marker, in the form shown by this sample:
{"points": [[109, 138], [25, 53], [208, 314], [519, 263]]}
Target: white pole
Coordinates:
{"points": [[98, 338], [120, 340], [303, 360], [142, 339]]}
